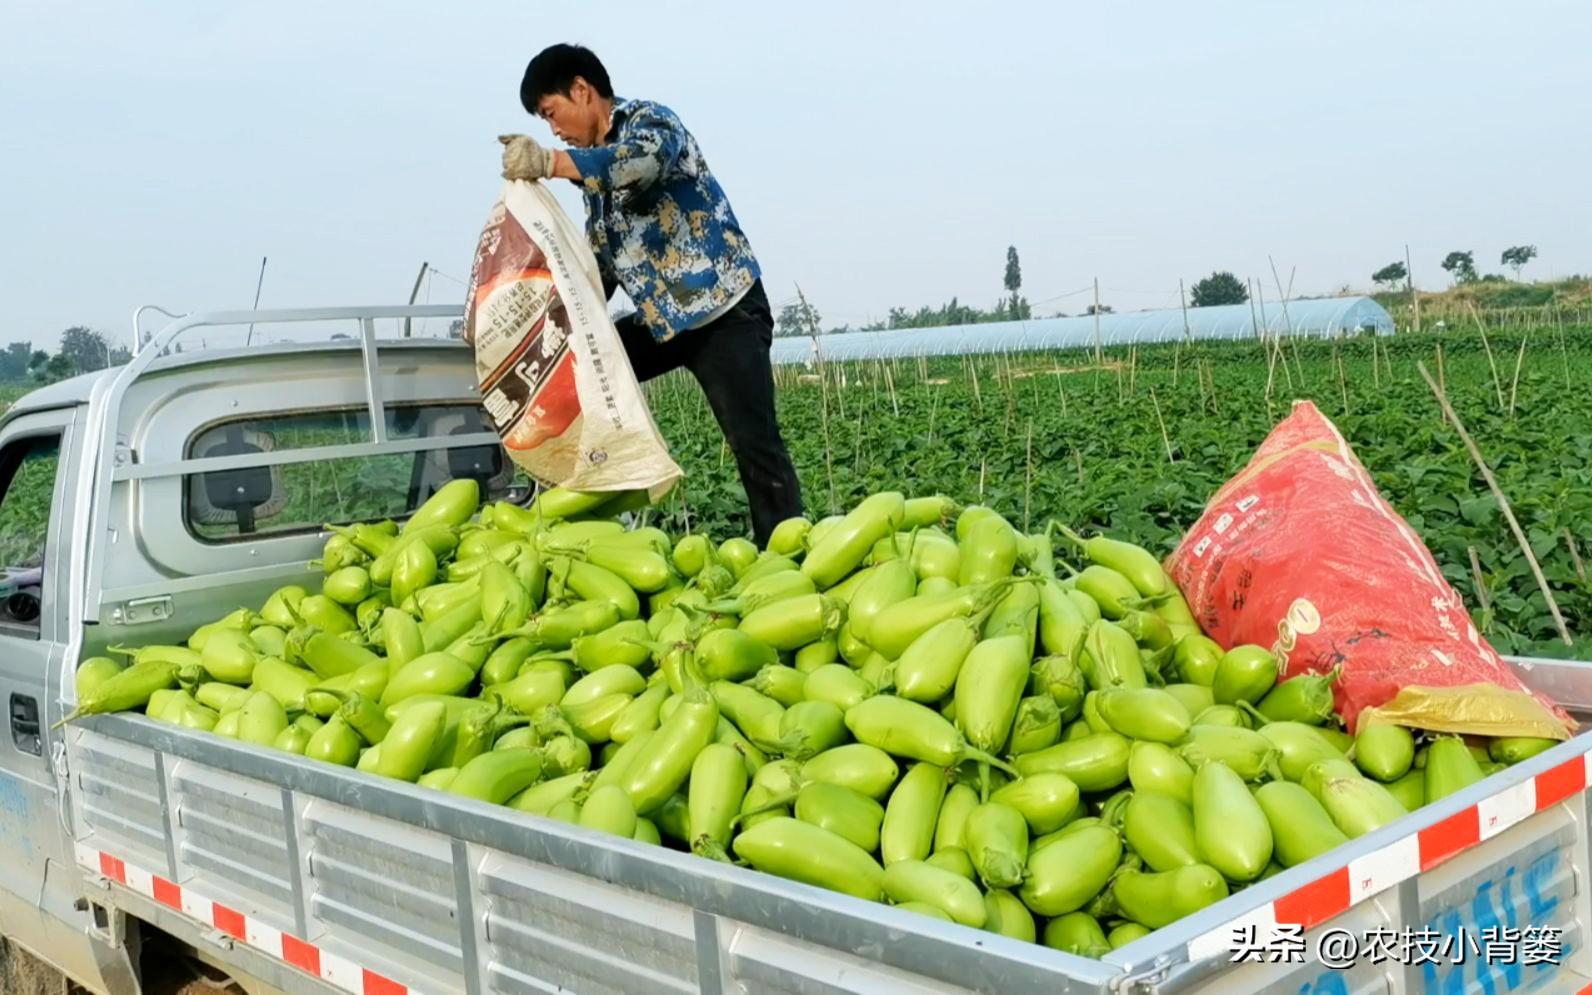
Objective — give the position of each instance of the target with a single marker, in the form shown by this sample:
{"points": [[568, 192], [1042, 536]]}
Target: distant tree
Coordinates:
{"points": [[1391, 274], [797, 318], [1517, 256], [1104, 309], [14, 361], [85, 349], [1015, 308], [1219, 288], [37, 360], [1461, 265], [56, 367], [1014, 275], [121, 355]]}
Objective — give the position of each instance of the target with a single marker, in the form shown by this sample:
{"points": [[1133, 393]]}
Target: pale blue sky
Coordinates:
{"points": [[876, 153]]}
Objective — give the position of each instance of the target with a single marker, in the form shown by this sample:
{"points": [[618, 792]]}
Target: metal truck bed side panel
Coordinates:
{"points": [[1511, 851], [450, 895]]}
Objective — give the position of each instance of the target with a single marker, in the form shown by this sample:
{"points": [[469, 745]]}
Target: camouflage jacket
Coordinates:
{"points": [[659, 222]]}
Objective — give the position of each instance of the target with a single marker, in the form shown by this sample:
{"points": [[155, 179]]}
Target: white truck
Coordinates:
{"points": [[174, 489]]}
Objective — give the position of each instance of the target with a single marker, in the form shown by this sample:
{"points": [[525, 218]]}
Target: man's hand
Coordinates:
{"points": [[524, 159]]}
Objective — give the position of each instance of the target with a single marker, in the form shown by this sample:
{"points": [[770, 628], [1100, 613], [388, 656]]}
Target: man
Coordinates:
{"points": [[662, 229]]}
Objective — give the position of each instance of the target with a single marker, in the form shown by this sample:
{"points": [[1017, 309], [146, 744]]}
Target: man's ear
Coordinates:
{"points": [[579, 90]]}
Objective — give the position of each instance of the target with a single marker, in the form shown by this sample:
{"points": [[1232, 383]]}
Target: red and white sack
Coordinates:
{"points": [[553, 373], [1300, 553]]}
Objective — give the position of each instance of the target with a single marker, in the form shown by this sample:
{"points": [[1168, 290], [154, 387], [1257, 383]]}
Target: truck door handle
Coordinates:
{"points": [[25, 724]]}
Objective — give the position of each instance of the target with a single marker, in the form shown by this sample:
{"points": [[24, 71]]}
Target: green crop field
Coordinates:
{"points": [[1042, 436]]}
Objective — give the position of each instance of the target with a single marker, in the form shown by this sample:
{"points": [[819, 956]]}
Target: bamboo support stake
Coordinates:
{"points": [[829, 449], [1514, 385], [1415, 299], [1098, 358], [1343, 387], [1482, 597], [1078, 459], [1498, 385], [1177, 352], [983, 469], [889, 382], [860, 443], [1575, 555], [1028, 475], [1271, 351], [685, 509], [1564, 355], [1254, 317], [1442, 381], [1503, 502], [1287, 322], [1165, 439]]}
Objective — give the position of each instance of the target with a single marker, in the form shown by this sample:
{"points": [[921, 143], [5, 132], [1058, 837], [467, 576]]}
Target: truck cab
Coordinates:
{"points": [[139, 500]]}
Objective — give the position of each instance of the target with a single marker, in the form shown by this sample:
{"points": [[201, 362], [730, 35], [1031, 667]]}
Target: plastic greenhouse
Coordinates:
{"points": [[1321, 318]]}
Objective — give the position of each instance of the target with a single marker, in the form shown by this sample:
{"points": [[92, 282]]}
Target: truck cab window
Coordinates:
{"points": [[245, 502], [27, 483]]}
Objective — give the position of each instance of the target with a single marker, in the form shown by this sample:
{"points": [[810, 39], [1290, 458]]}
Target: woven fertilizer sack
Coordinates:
{"points": [[552, 370], [1300, 553]]}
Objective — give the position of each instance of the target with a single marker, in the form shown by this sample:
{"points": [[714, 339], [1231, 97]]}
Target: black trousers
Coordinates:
{"points": [[729, 358]]}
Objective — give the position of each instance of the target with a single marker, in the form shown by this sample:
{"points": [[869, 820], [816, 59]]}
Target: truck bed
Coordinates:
{"points": [[310, 872]]}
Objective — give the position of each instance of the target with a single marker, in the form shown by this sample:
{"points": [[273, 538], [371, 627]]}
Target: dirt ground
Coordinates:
{"points": [[166, 972]]}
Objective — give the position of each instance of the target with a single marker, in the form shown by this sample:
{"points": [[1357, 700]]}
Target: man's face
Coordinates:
{"points": [[577, 119]]}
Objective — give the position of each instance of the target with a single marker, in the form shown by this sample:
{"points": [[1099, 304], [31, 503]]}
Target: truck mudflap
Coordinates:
{"points": [[1486, 891]]}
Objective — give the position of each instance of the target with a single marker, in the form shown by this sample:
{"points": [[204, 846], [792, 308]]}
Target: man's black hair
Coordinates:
{"points": [[554, 70]]}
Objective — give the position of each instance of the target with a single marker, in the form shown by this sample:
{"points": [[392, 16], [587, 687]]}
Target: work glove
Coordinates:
{"points": [[523, 159]]}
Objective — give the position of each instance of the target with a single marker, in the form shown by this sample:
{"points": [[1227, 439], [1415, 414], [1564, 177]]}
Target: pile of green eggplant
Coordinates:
{"points": [[913, 702]]}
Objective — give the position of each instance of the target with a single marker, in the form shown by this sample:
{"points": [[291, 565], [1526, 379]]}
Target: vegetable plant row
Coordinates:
{"points": [[1040, 434], [913, 702]]}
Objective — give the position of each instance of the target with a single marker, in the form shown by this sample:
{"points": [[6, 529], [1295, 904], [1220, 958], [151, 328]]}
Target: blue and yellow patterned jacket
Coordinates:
{"points": [[659, 223]]}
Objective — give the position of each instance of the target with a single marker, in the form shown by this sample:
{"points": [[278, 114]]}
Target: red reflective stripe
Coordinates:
{"points": [[228, 921], [1554, 786], [375, 984], [1316, 902], [113, 868], [301, 955], [167, 892], [1446, 838]]}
